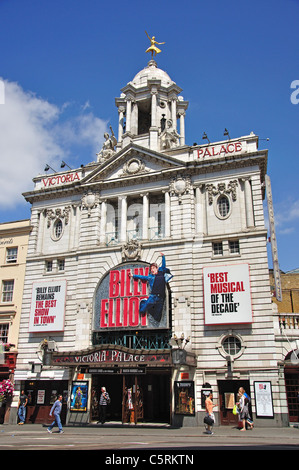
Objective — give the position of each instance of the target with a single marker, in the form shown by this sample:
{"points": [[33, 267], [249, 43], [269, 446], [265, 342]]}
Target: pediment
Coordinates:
{"points": [[132, 162]]}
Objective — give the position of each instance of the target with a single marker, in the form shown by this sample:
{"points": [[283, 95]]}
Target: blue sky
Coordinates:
{"points": [[64, 62]]}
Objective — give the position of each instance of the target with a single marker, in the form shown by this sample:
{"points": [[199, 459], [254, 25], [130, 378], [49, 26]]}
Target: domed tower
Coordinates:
{"points": [[149, 108]]}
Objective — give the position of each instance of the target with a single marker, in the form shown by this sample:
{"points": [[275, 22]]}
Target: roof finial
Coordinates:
{"points": [[153, 49]]}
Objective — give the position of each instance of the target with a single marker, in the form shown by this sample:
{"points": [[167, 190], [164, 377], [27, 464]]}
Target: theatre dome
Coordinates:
{"points": [[151, 72]]}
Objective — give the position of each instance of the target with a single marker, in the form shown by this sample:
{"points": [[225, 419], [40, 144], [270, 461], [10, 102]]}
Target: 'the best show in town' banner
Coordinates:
{"points": [[47, 306], [227, 296]]}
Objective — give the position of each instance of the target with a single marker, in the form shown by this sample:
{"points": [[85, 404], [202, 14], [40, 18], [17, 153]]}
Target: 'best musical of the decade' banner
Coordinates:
{"points": [[227, 297]]}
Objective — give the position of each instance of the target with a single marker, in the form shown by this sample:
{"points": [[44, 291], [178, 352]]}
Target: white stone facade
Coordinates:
{"points": [[199, 205]]}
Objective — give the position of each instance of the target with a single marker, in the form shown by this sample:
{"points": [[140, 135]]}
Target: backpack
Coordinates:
{"points": [[247, 396]]}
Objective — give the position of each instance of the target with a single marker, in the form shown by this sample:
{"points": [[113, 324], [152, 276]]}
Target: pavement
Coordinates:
{"points": [[116, 440]]}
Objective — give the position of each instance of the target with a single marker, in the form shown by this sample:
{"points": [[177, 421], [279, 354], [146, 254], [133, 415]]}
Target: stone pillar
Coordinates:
{"points": [[121, 111], [123, 218], [167, 214], [128, 115], [200, 210], [145, 214], [173, 113], [103, 222], [41, 231], [182, 127], [248, 203], [154, 108], [154, 127]]}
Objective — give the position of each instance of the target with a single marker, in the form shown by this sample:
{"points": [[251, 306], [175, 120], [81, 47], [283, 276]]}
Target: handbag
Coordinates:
{"points": [[235, 410], [208, 420]]}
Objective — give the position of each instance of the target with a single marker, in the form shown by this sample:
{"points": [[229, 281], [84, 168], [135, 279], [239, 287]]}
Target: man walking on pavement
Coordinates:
{"points": [[56, 410]]}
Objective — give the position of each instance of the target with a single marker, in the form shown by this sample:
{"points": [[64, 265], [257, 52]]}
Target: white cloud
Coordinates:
{"points": [[286, 216], [33, 133]]}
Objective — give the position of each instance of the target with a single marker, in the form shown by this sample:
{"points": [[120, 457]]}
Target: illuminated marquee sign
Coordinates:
{"points": [[117, 300], [113, 355], [227, 297]]}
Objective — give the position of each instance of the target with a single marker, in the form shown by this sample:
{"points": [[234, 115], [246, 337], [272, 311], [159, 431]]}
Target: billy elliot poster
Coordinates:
{"points": [[227, 297], [117, 300], [47, 306]]}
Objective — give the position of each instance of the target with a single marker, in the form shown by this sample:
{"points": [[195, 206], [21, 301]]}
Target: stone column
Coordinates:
{"points": [[145, 213], [103, 222], [40, 230], [167, 214], [128, 115], [123, 218], [173, 113], [248, 203], [182, 127], [154, 108], [121, 111]]}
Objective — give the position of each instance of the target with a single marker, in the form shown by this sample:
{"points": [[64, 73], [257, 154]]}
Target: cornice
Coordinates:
{"points": [[194, 167]]}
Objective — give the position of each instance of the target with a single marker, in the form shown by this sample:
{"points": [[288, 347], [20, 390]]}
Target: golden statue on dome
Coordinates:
{"points": [[153, 49]]}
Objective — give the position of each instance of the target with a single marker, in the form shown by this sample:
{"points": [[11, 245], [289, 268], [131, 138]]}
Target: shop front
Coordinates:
{"points": [[41, 396], [228, 397], [137, 381]]}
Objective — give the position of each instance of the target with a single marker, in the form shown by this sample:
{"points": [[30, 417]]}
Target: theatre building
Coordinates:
{"points": [[149, 197]]}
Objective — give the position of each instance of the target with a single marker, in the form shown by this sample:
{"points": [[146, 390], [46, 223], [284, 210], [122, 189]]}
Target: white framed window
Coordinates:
{"points": [[60, 264], [49, 266], [57, 230], [7, 291], [217, 248], [4, 328], [234, 246], [231, 344], [11, 255], [223, 206]]}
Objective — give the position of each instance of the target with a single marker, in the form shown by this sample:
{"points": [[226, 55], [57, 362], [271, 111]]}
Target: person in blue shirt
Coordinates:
{"points": [[56, 410], [157, 280]]}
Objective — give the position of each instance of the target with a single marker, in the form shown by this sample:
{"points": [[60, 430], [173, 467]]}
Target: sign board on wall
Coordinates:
{"points": [[227, 297], [47, 306], [117, 300], [263, 399]]}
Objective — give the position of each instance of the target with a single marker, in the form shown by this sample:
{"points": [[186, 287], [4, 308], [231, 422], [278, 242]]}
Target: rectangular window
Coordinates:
{"points": [[4, 327], [234, 246], [60, 264], [49, 266], [11, 255], [217, 248], [7, 291]]}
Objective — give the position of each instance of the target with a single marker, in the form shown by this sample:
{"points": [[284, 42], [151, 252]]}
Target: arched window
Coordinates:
{"points": [[223, 206], [58, 228]]}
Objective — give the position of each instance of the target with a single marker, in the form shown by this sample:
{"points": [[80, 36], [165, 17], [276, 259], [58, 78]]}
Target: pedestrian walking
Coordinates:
{"points": [[209, 419], [104, 401], [244, 415], [56, 410], [23, 400]]}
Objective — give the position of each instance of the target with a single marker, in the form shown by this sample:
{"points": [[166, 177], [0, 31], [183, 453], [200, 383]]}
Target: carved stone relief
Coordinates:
{"points": [[222, 188], [89, 201], [131, 250], [52, 214]]}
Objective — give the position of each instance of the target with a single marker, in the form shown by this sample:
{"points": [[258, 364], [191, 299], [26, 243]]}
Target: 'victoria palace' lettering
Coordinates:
{"points": [[61, 179]]}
